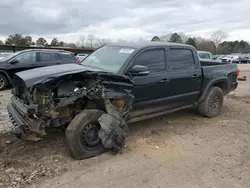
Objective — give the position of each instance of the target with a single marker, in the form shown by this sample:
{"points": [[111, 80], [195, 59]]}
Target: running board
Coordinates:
{"points": [[144, 117]]}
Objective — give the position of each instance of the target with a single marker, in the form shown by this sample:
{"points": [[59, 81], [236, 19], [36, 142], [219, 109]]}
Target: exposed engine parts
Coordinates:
{"points": [[56, 101]]}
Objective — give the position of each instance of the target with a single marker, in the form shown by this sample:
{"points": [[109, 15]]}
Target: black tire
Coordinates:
{"points": [[81, 135], [3, 82], [212, 104]]}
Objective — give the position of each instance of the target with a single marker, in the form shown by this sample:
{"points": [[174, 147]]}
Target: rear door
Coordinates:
{"points": [[149, 90], [49, 59], [25, 61], [184, 75]]}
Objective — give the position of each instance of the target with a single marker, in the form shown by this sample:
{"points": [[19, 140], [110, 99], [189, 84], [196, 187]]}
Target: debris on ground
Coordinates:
{"points": [[244, 78]]}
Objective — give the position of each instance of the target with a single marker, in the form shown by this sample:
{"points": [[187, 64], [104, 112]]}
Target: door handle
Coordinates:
{"points": [[58, 63], [164, 80], [195, 76]]}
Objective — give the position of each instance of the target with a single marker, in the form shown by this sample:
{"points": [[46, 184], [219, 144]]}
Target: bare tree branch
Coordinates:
{"points": [[218, 36]]}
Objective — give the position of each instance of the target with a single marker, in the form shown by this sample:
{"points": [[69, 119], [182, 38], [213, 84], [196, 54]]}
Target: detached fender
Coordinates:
{"points": [[221, 82], [7, 76]]}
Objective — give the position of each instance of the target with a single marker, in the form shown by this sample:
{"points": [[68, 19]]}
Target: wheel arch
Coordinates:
{"points": [[6, 75], [222, 83]]}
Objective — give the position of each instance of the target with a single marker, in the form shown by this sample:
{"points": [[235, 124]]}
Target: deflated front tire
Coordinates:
{"points": [[82, 135]]}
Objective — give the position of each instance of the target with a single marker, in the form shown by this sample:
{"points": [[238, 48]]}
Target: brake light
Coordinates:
{"points": [[77, 61], [237, 72]]}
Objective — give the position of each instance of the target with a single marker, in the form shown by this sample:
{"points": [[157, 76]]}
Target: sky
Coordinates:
{"points": [[68, 20]]}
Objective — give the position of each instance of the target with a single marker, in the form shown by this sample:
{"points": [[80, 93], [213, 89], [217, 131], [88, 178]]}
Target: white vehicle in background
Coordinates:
{"points": [[81, 56], [229, 58], [205, 55], [5, 54]]}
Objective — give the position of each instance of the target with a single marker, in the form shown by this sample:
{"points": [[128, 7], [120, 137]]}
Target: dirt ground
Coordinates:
{"points": [[181, 149]]}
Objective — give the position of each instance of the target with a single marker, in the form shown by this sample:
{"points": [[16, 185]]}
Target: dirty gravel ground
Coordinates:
{"points": [[176, 150]]}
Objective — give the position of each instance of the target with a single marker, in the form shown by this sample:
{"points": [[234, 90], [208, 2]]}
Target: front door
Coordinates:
{"points": [[150, 89]]}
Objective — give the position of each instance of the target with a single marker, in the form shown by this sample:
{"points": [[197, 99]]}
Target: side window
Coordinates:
{"points": [[58, 58], [44, 56], [26, 58], [153, 59], [180, 59]]}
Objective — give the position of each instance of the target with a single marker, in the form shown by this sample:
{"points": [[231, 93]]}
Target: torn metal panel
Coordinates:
{"points": [[56, 97], [114, 128]]}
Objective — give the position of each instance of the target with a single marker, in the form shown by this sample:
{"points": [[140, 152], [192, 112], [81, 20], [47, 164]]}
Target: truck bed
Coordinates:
{"points": [[205, 63], [216, 70]]}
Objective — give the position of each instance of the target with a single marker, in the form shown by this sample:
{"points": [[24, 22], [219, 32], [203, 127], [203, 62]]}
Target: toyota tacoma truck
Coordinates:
{"points": [[116, 85]]}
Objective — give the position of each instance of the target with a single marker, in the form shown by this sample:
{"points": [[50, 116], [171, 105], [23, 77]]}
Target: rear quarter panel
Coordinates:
{"points": [[220, 73]]}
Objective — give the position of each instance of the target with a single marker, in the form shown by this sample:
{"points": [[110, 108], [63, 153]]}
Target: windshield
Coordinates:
{"points": [[108, 58]]}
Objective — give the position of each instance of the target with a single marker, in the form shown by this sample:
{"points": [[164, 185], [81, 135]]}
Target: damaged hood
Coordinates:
{"points": [[39, 75]]}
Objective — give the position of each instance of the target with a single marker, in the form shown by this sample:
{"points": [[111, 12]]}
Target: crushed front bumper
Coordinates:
{"points": [[22, 123]]}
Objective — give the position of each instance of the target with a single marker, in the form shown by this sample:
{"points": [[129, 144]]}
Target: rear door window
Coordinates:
{"points": [[180, 59], [46, 56]]}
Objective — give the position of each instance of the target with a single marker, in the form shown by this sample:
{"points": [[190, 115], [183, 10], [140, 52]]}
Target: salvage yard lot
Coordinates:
{"points": [[181, 149]]}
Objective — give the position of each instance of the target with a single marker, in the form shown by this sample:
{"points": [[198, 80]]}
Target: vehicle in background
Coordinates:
{"points": [[81, 56], [29, 59], [5, 54], [112, 87], [229, 58], [241, 60], [205, 55]]}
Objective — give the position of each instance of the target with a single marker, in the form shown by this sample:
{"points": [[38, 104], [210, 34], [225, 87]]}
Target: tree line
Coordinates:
{"points": [[89, 41], [216, 44]]}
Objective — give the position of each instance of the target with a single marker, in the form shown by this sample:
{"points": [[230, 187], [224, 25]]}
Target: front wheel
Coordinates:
{"points": [[212, 104], [82, 135]]}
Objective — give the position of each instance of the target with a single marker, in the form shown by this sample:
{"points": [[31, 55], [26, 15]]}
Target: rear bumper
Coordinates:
{"points": [[234, 86], [20, 118]]}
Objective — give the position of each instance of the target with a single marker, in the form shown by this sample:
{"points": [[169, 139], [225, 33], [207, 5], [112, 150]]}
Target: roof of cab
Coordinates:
{"points": [[139, 45]]}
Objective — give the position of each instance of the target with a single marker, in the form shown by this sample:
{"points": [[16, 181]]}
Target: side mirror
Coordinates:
{"points": [[139, 70], [13, 61]]}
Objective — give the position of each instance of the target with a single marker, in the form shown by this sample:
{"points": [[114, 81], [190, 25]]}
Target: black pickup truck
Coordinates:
{"points": [[115, 85]]}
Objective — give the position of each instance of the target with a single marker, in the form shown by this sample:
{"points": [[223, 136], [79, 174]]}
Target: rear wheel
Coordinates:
{"points": [[3, 82], [211, 106], [82, 135]]}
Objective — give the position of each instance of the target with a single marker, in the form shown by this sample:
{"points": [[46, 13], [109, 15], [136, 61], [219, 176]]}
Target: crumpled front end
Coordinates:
{"points": [[54, 102]]}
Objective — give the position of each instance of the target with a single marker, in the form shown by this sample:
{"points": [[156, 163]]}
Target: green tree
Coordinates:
{"points": [[70, 45], [175, 37], [228, 47], [27, 40], [55, 42], [191, 42], [41, 42], [15, 39], [1, 42], [61, 43], [156, 39]]}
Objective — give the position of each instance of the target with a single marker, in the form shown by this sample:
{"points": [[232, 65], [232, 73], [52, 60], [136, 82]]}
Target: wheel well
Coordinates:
{"points": [[223, 86]]}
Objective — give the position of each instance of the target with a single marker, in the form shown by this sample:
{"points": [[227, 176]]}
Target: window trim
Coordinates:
{"points": [[132, 61], [179, 70]]}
